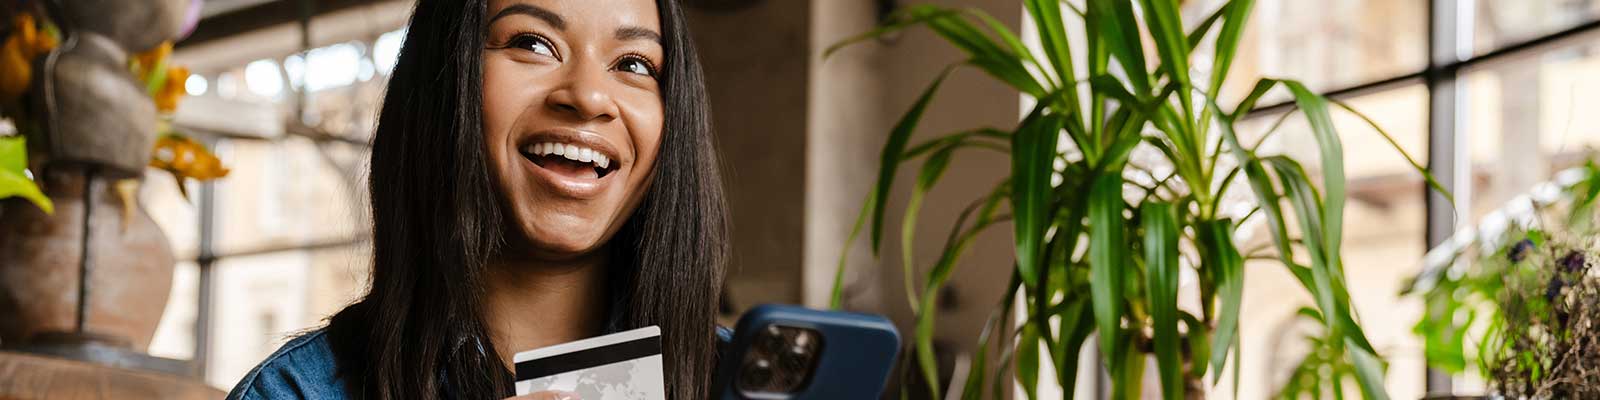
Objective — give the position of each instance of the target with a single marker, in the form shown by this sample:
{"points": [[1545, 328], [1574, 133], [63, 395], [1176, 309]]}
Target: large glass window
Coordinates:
{"points": [[287, 239], [1327, 45], [287, 192], [1530, 118], [1521, 116], [1500, 23], [264, 300]]}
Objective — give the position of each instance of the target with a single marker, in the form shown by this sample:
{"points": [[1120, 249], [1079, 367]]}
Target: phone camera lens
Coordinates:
{"points": [[795, 361], [802, 338], [757, 374], [780, 359], [800, 352], [772, 341]]}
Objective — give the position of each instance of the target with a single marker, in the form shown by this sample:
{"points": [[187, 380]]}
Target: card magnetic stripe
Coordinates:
{"points": [[588, 358]]}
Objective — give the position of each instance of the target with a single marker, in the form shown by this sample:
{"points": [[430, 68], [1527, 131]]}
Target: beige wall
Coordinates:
{"points": [[800, 138], [857, 97], [848, 122], [756, 75]]}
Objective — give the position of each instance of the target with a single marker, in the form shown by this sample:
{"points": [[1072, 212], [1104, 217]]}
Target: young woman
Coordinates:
{"points": [[542, 172]]}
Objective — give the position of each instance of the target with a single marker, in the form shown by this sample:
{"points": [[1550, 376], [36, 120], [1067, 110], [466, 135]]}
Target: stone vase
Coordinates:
{"points": [[82, 290], [47, 289], [136, 25], [94, 112]]}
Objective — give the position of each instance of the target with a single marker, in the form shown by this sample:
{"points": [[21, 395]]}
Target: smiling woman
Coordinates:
{"points": [[542, 171]]}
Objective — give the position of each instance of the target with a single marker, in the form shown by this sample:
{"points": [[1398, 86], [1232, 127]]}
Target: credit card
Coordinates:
{"points": [[622, 365]]}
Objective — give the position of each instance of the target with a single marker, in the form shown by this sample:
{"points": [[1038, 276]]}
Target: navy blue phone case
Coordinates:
{"points": [[856, 355]]}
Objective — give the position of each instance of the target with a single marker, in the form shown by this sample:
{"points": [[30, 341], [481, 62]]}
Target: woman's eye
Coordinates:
{"points": [[532, 43], [636, 66]]}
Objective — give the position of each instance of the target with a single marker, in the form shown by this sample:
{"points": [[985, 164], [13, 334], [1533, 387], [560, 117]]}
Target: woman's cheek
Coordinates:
{"points": [[501, 105], [647, 128], [497, 120]]}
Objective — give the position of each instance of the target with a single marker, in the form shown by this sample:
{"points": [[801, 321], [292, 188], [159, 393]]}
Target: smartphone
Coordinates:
{"points": [[796, 353]]}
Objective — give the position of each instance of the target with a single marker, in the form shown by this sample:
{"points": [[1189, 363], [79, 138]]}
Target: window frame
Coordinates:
{"points": [[1451, 56]]}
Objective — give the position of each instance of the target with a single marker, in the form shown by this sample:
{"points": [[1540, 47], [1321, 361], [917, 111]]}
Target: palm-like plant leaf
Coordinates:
{"points": [[1107, 268], [1161, 285], [890, 159], [1035, 144]]}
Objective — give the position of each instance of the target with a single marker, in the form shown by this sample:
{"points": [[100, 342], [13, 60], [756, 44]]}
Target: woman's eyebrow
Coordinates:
{"points": [[548, 16], [627, 33]]}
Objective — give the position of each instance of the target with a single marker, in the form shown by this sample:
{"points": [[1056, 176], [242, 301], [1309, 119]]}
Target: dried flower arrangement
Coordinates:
{"points": [[1526, 311], [1548, 345]]}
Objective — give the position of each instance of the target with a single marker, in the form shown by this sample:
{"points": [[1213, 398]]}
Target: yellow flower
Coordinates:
{"points": [[15, 73], [167, 96], [147, 63], [186, 159], [163, 82], [26, 42]]}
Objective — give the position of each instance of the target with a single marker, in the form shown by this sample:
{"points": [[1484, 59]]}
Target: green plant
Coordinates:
{"points": [[1063, 201], [14, 180], [1524, 307]]}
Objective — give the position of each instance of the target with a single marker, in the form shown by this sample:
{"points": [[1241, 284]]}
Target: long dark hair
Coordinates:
{"points": [[418, 333]]}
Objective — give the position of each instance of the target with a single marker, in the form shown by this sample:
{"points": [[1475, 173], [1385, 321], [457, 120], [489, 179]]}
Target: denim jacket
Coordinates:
{"points": [[304, 368]]}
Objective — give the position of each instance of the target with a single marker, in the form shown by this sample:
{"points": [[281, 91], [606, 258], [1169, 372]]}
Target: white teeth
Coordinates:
{"points": [[570, 152]]}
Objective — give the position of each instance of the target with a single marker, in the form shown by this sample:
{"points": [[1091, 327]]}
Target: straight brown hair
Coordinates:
{"points": [[418, 334]]}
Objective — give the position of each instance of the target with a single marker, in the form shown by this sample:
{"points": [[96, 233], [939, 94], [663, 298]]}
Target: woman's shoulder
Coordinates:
{"points": [[303, 368]]}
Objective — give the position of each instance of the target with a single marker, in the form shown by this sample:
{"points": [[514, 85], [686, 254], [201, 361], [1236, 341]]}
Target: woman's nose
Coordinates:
{"points": [[583, 95]]}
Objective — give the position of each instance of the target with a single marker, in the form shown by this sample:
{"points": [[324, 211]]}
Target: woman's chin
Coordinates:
{"points": [[564, 244]]}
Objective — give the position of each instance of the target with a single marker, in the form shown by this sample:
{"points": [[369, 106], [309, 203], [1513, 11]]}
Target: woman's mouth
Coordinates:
{"points": [[571, 160], [570, 170]]}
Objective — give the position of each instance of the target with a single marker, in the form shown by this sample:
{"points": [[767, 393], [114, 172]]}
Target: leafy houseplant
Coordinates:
{"points": [[1526, 308], [14, 179], [23, 41], [1099, 240]]}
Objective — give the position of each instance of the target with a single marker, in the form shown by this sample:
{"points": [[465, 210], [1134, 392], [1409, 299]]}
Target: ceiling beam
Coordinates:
{"points": [[363, 23], [261, 16]]}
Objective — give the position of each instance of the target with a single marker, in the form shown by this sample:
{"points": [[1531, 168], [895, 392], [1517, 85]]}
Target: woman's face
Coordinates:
{"points": [[572, 117]]}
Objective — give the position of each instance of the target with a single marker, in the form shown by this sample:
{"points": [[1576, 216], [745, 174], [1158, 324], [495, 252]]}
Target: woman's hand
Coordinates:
{"points": [[548, 395]]}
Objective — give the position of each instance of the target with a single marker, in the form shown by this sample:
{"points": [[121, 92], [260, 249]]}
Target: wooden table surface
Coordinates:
{"points": [[27, 376]]}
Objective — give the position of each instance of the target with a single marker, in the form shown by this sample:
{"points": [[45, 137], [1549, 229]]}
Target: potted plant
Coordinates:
{"points": [[1523, 306], [1099, 240], [86, 271]]}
